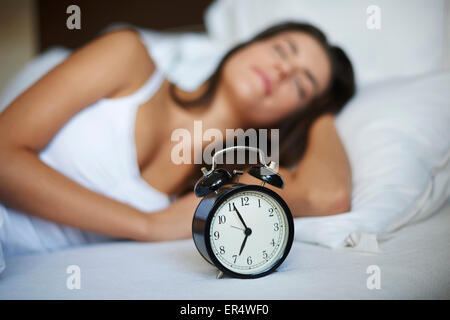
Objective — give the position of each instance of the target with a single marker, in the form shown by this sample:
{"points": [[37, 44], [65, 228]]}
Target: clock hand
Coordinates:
{"points": [[240, 217], [243, 244], [237, 228], [248, 232]]}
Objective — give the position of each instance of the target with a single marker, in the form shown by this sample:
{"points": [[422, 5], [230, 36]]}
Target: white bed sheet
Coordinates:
{"points": [[413, 265]]}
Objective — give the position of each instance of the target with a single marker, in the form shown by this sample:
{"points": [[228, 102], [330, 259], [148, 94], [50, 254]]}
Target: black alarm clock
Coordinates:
{"points": [[246, 231]]}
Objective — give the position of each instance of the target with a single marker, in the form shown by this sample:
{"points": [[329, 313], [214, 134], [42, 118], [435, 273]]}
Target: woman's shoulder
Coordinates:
{"points": [[133, 56]]}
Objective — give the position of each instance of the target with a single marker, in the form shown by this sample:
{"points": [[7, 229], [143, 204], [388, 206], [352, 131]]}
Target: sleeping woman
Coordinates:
{"points": [[85, 153]]}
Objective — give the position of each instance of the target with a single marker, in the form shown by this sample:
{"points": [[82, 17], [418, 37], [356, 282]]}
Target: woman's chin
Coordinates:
{"points": [[246, 94]]}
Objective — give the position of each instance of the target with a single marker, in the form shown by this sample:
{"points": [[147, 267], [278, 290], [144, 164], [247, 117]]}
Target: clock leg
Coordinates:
{"points": [[219, 274]]}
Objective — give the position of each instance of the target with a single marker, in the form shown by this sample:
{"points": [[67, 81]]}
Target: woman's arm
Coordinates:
{"points": [[112, 65], [321, 182], [324, 174]]}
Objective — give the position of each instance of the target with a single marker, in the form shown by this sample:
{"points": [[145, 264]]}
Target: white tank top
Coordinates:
{"points": [[95, 148]]}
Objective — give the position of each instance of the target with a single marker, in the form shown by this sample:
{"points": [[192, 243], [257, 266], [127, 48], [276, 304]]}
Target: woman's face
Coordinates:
{"points": [[269, 79]]}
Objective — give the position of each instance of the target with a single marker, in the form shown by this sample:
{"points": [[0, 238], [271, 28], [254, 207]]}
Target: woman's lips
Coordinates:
{"points": [[265, 79]]}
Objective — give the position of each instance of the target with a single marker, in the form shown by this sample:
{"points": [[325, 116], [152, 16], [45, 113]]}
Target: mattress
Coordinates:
{"points": [[413, 264]]}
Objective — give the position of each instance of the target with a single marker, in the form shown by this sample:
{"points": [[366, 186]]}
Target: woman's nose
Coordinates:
{"points": [[282, 70]]}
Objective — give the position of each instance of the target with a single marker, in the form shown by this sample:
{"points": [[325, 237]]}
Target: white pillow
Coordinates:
{"points": [[397, 137], [410, 41]]}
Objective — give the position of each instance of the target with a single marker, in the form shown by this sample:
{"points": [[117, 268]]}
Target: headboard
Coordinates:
{"points": [[169, 15]]}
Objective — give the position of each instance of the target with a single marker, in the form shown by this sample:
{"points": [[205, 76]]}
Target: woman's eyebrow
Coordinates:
{"points": [[292, 45]]}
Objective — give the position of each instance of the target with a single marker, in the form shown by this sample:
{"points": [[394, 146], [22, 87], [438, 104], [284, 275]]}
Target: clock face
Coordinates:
{"points": [[249, 232]]}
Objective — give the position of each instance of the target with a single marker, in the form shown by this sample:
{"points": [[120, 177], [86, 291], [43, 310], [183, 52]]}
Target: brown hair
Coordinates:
{"points": [[293, 129]]}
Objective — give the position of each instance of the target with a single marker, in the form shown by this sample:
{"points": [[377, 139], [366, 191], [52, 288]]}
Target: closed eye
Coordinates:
{"points": [[300, 90], [280, 51]]}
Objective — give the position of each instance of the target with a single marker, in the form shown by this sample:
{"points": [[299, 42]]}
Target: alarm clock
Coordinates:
{"points": [[246, 231]]}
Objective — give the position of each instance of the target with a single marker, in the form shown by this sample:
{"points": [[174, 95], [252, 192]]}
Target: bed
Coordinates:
{"points": [[413, 265], [394, 242]]}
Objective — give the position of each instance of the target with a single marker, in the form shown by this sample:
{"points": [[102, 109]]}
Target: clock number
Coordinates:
{"points": [[249, 260], [230, 206], [222, 249], [272, 243], [270, 212], [265, 255], [222, 219], [276, 227], [234, 257], [244, 201], [216, 235], [259, 203]]}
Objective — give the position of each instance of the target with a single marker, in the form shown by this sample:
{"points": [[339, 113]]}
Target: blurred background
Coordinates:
{"points": [[18, 37], [28, 27]]}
